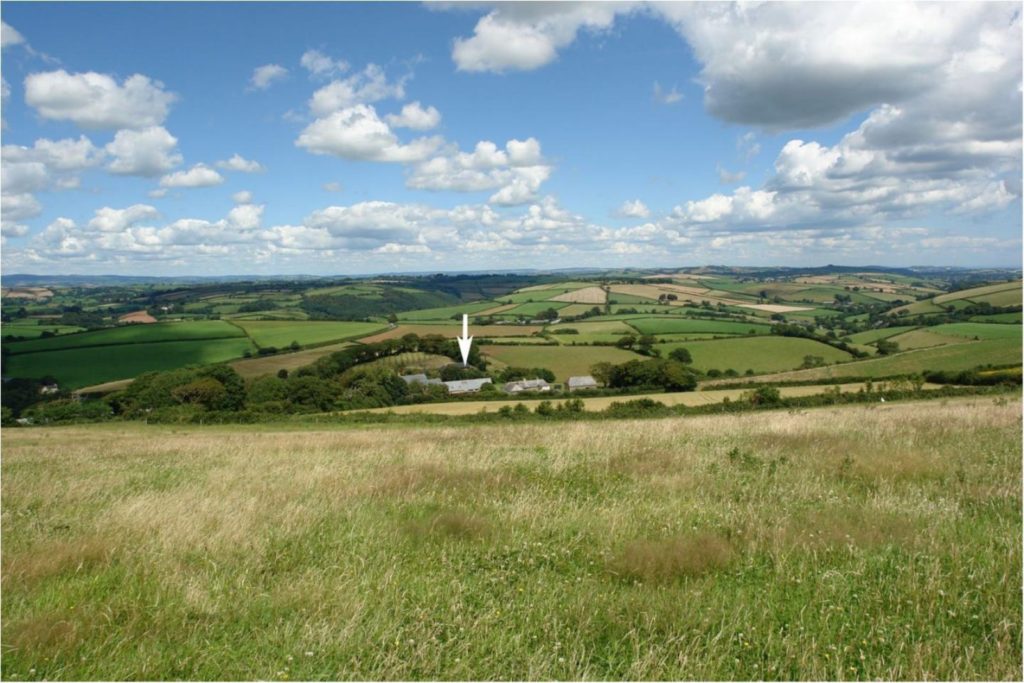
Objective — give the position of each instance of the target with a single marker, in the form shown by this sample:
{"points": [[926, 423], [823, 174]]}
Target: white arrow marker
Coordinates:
{"points": [[465, 341]]}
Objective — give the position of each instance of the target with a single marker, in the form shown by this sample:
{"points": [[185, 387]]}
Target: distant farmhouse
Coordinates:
{"points": [[526, 385], [581, 382], [460, 386], [466, 386]]}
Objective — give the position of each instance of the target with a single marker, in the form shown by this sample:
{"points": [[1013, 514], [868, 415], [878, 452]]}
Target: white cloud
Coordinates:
{"points": [[157, 193], [243, 197], [416, 117], [633, 209], [148, 152], [96, 101], [9, 36], [319, 64], [794, 65], [265, 76], [517, 172], [748, 146], [526, 36], [365, 87], [199, 175], [333, 186], [662, 96], [108, 219], [246, 216], [357, 133], [240, 164], [13, 229]]}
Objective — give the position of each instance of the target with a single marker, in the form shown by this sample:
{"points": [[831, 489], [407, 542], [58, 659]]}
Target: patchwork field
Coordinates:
{"points": [[86, 366], [667, 325], [282, 333], [453, 330], [760, 354], [848, 543], [133, 334], [564, 361], [952, 357]]}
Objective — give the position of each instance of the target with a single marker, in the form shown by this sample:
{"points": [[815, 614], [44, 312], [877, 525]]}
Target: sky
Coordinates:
{"points": [[350, 138]]}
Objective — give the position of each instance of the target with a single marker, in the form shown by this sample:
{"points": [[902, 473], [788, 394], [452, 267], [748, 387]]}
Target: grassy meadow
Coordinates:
{"points": [[849, 543]]}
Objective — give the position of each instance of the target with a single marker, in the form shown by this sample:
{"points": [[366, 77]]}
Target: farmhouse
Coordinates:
{"points": [[581, 382], [526, 385], [466, 386]]}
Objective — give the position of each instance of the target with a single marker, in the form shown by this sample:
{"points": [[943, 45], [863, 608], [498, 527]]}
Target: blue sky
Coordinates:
{"points": [[395, 137]]}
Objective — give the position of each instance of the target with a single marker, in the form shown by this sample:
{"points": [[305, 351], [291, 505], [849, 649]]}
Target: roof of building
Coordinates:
{"points": [[458, 385], [526, 385], [582, 381]]}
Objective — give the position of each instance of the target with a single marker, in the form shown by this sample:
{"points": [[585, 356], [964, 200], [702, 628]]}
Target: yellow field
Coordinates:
{"points": [[587, 295], [685, 398]]}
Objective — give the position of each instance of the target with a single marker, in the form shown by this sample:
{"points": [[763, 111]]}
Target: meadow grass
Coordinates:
{"points": [[761, 353], [836, 543], [132, 334]]}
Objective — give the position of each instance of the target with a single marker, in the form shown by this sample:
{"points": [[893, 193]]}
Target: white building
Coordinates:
{"points": [[527, 385], [466, 386], [581, 382]]}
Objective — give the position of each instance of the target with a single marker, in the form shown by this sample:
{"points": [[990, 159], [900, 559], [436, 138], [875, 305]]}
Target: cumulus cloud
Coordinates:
{"points": [[333, 186], [795, 65], [108, 219], [240, 164], [516, 172], [199, 175], [242, 197], [357, 133], [148, 152], [414, 116], [662, 96], [632, 209], [265, 76], [526, 36], [96, 101], [365, 87], [319, 64]]}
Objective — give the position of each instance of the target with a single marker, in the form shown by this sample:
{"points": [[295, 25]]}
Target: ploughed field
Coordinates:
{"points": [[860, 542]]}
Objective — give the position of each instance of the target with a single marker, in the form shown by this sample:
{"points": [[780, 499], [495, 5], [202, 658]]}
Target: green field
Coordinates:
{"points": [[132, 334], [856, 543], [952, 357], [564, 361], [998, 318], [874, 335], [82, 367], [446, 312], [760, 354], [530, 310], [979, 331], [281, 333], [667, 325], [33, 329]]}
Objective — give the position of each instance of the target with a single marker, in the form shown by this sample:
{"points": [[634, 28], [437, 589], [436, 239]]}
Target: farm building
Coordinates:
{"points": [[581, 382], [527, 385], [466, 386]]}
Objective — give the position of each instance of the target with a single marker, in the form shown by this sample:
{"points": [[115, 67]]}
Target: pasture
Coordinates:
{"points": [[453, 330], [760, 353], [564, 361], [852, 543], [88, 365], [132, 334], [667, 325], [281, 333]]}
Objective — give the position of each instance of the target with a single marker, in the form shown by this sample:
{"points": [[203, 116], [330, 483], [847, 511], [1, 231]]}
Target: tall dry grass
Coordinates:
{"points": [[846, 543]]}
